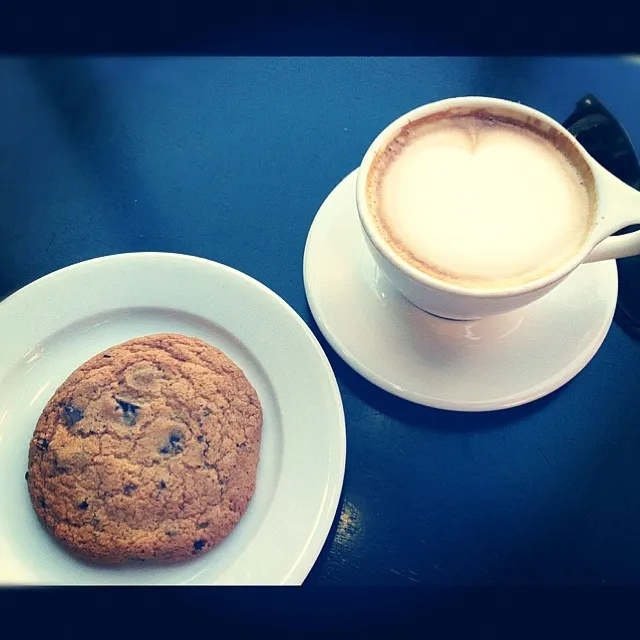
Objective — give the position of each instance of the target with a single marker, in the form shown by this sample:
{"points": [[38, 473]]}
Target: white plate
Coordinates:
{"points": [[477, 365], [54, 324]]}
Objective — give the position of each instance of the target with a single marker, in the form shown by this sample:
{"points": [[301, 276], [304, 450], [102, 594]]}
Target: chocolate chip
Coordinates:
{"points": [[106, 355], [200, 438], [43, 504], [42, 444], [26, 476], [163, 484], [175, 444], [129, 419], [206, 413], [242, 445], [203, 525], [128, 411], [172, 532], [127, 407], [198, 545], [129, 489], [72, 414], [83, 505]]}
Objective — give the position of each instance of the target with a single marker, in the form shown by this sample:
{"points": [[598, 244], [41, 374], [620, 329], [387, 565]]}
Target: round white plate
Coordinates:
{"points": [[479, 365], [56, 323]]}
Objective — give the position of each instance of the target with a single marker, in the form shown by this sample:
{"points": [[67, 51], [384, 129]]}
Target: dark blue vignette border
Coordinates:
{"points": [[322, 613], [350, 27]]}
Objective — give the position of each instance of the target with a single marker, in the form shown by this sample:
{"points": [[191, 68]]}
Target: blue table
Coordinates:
{"points": [[230, 159]]}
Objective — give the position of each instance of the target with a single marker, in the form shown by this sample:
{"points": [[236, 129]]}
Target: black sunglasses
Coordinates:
{"points": [[604, 137]]}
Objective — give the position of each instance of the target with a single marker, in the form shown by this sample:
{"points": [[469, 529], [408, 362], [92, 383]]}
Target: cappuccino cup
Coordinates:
{"points": [[477, 206]]}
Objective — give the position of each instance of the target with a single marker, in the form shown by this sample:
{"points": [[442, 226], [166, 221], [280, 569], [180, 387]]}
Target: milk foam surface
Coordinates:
{"points": [[480, 205]]}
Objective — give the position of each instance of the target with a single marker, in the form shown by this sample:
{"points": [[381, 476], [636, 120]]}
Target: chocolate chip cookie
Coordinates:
{"points": [[147, 451]]}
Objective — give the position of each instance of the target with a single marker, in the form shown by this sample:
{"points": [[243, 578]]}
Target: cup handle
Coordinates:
{"points": [[615, 247], [620, 206]]}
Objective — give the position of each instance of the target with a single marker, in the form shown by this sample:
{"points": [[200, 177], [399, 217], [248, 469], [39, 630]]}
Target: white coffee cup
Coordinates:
{"points": [[617, 207]]}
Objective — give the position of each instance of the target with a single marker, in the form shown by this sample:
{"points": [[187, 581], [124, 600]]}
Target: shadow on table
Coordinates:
{"points": [[91, 126], [418, 415], [7, 286], [629, 327], [628, 308]]}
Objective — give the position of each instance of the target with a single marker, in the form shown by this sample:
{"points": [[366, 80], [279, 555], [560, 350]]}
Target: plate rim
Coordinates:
{"points": [[317, 536]]}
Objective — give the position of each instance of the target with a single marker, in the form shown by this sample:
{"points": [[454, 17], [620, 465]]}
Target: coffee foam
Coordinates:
{"points": [[481, 199]]}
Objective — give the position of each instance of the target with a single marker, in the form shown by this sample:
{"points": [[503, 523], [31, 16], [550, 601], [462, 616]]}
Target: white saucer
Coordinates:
{"points": [[478, 365], [56, 323]]}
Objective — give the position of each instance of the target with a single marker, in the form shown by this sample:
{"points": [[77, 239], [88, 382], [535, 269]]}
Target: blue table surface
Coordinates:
{"points": [[229, 159]]}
